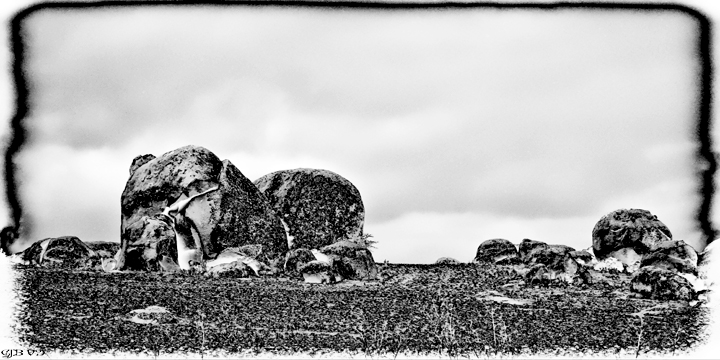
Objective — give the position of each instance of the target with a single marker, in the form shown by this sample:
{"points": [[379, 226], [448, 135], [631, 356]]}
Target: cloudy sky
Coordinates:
{"points": [[456, 126]]}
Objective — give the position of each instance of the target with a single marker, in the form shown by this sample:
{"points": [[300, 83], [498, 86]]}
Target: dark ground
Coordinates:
{"points": [[415, 309]]}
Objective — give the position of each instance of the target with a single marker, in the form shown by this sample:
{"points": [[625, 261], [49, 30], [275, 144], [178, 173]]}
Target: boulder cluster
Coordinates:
{"points": [[187, 210], [629, 241]]}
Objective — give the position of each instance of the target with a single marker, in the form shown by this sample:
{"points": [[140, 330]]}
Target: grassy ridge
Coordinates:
{"points": [[416, 309]]}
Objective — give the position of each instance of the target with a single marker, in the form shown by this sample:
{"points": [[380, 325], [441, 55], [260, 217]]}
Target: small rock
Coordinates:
{"points": [[318, 272], [497, 251], [446, 261]]}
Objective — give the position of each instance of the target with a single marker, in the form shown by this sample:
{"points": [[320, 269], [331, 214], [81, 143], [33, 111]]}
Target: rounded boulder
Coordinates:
{"points": [[660, 284], [230, 212], [635, 228], [319, 207], [497, 251], [675, 255]]}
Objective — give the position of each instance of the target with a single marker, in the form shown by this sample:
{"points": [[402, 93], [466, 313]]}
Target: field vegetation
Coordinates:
{"points": [[464, 310]]}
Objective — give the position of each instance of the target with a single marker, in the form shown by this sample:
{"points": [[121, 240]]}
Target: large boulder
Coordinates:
{"points": [[236, 213], [497, 251], [660, 284], [528, 246], [351, 261], [318, 207], [564, 268], [628, 228], [675, 255], [553, 256], [66, 252]]}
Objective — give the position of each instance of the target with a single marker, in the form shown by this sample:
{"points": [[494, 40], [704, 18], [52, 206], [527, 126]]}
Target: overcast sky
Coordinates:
{"points": [[455, 126]]}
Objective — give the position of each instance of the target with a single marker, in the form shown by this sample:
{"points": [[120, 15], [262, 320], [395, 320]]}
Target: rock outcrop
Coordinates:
{"points": [[583, 257], [660, 284], [497, 251], [446, 261], [552, 256], [628, 228], [295, 259], [351, 261], [528, 246], [675, 256], [236, 214], [319, 207], [65, 252], [104, 249], [318, 272], [139, 161]]}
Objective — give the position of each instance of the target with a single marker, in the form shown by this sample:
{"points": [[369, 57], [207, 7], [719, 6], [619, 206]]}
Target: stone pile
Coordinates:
{"points": [[626, 241], [188, 211]]}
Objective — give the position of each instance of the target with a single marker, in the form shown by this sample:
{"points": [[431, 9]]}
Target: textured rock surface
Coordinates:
{"points": [[564, 269], [497, 251], [582, 256], [447, 261], [108, 246], [296, 259], [660, 284], [66, 252], [676, 256], [318, 272], [635, 228], [234, 215], [319, 207], [139, 161], [232, 269], [351, 261], [553, 256], [527, 246]]}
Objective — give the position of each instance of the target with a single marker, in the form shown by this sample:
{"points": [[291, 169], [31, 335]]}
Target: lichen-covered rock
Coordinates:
{"points": [[539, 274], [660, 284], [553, 256], [497, 251], [106, 246], [675, 255], [567, 270], [447, 261], [628, 228], [318, 272], [234, 269], [236, 214], [351, 261], [139, 161], [527, 246], [583, 257], [296, 259], [319, 207], [65, 252]]}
